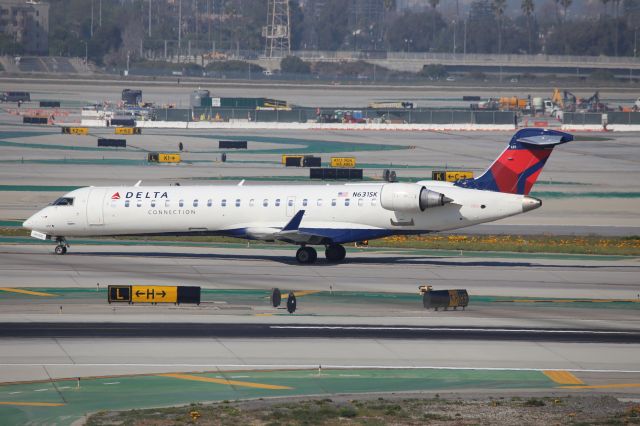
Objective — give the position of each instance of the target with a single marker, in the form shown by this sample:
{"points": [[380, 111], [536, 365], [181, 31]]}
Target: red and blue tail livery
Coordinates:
{"points": [[518, 167]]}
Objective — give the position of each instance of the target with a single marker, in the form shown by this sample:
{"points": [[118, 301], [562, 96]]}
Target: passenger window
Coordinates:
{"points": [[167, 203], [209, 202], [265, 203], [153, 203], [126, 203], [181, 203], [238, 202], [304, 203], [139, 203], [333, 202], [319, 202], [360, 202], [195, 203], [290, 203], [277, 202], [224, 203], [347, 201], [251, 202]]}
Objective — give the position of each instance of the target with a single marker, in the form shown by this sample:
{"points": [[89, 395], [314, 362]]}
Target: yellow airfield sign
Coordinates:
{"points": [[154, 294], [451, 175], [349, 162]]}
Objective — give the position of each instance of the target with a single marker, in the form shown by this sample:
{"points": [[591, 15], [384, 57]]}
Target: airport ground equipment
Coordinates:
{"points": [[153, 294], [389, 175], [451, 175], [159, 157], [75, 131], [15, 97], [435, 299], [128, 131], [132, 96], [117, 143], [232, 144]]}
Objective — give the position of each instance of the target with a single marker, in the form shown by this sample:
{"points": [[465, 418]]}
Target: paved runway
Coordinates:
{"points": [[321, 331]]}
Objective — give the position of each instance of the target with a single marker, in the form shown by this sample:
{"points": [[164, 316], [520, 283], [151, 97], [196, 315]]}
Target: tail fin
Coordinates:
{"points": [[517, 168]]}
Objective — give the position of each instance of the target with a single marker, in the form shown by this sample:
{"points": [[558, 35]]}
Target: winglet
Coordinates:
{"points": [[294, 223]]}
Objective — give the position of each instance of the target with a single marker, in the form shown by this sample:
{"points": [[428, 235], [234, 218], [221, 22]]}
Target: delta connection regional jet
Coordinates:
{"points": [[306, 215]]}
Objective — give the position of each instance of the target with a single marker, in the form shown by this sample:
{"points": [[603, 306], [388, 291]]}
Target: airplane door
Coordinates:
{"points": [[95, 206], [291, 206]]}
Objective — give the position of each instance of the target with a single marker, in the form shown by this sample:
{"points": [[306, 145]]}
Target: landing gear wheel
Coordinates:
{"points": [[335, 253], [61, 250], [306, 255]]}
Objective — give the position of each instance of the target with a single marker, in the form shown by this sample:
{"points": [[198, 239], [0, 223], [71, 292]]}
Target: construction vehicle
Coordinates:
{"points": [[512, 103]]}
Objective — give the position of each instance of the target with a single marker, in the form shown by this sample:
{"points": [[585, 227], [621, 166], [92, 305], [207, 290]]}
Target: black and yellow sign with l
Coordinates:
{"points": [[154, 294], [120, 293]]}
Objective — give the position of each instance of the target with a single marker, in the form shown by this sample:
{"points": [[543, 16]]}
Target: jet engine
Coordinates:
{"points": [[410, 197]]}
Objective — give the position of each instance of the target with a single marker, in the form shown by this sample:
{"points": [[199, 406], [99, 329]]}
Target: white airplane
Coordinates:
{"points": [[305, 215]]}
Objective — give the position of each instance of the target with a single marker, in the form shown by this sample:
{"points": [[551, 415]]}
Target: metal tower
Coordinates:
{"points": [[277, 33]]}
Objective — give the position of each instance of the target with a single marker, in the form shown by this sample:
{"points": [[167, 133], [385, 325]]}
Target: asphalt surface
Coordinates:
{"points": [[191, 330]]}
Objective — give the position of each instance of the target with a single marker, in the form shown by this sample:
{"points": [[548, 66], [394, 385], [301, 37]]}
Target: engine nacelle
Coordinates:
{"points": [[410, 197]]}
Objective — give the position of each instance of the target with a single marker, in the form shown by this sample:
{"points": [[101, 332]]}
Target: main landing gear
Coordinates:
{"points": [[62, 246], [333, 253], [306, 254]]}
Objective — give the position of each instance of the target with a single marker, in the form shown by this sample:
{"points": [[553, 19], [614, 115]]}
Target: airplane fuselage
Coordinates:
{"points": [[332, 213]]}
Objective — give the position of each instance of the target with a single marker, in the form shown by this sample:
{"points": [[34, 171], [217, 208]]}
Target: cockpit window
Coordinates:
{"points": [[63, 201]]}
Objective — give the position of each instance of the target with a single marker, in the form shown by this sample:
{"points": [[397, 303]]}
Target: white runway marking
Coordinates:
{"points": [[112, 383], [509, 330]]}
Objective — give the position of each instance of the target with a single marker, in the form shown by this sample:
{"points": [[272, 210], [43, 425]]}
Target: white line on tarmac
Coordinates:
{"points": [[511, 330], [325, 366]]}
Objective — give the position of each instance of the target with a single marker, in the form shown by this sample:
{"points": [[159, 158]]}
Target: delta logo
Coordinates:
{"points": [[115, 196]]}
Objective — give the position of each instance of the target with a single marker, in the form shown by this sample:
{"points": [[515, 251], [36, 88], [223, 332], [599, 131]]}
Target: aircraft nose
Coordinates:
{"points": [[28, 224], [33, 222], [530, 203]]}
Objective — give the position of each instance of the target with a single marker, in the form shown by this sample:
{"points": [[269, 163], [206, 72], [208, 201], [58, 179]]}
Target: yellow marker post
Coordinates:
{"points": [[154, 294]]}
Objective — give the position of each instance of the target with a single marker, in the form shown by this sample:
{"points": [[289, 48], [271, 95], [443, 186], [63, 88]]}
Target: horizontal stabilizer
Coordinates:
{"points": [[545, 140]]}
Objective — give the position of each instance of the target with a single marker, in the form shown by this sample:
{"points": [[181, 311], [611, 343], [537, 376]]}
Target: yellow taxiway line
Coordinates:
{"points": [[32, 293], [610, 386], [563, 377], [32, 404], [225, 381]]}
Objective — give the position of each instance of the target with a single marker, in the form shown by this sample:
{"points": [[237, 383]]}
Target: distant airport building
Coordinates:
{"points": [[27, 22]]}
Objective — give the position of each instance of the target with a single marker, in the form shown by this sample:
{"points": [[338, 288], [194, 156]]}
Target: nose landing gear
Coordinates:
{"points": [[62, 246]]}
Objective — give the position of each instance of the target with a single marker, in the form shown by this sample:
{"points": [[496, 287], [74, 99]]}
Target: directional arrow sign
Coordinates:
{"points": [[154, 294]]}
